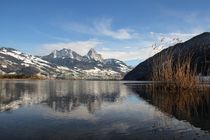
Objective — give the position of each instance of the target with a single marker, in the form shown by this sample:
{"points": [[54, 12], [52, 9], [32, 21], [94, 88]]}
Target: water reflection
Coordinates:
{"points": [[192, 106], [98, 110], [61, 96]]}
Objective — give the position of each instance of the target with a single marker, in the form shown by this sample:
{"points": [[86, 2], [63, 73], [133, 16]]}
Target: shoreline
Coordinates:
{"points": [[61, 79]]}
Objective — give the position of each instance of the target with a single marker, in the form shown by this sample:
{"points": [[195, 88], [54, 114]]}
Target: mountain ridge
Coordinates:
{"points": [[199, 46], [91, 60], [65, 64]]}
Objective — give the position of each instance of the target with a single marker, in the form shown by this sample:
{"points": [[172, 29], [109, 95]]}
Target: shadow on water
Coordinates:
{"points": [[190, 105]]}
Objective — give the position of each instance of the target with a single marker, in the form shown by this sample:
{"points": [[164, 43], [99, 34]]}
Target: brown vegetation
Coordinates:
{"points": [[176, 73]]}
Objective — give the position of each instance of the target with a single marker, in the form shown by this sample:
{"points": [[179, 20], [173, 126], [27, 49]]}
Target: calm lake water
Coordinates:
{"points": [[62, 110]]}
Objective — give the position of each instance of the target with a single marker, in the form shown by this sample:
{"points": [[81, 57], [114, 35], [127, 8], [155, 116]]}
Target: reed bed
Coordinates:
{"points": [[176, 72]]}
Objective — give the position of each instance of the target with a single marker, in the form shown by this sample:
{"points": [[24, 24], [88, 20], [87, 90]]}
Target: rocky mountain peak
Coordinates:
{"points": [[93, 55], [64, 63], [65, 53]]}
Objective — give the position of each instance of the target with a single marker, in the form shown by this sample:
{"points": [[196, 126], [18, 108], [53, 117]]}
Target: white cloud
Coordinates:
{"points": [[161, 40], [141, 51], [125, 55], [180, 35], [81, 47], [103, 27]]}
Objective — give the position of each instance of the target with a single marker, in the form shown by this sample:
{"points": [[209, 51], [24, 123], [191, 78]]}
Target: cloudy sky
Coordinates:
{"points": [[123, 29]]}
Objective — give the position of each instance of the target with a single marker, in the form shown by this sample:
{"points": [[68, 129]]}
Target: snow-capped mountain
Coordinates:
{"points": [[165, 42], [64, 63], [198, 47], [93, 55], [15, 62], [92, 61], [65, 53], [117, 65]]}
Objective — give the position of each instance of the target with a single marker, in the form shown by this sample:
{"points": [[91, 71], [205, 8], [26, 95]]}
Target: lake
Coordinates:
{"points": [[61, 110]]}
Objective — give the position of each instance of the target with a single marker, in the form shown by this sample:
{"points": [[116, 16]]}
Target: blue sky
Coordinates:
{"points": [[123, 29]]}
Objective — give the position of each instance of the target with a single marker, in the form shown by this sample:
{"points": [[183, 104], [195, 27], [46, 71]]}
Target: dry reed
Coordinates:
{"points": [[175, 72]]}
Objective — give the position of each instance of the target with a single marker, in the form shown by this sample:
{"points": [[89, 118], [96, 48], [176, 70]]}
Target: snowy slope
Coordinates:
{"points": [[92, 63], [64, 53], [15, 62], [117, 65], [70, 65], [165, 41]]}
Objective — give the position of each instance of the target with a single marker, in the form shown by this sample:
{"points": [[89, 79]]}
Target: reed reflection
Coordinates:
{"points": [[190, 105]]}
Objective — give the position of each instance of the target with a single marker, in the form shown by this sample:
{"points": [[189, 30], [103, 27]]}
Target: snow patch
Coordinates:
{"points": [[17, 52], [99, 71], [24, 64], [4, 66], [17, 56], [63, 68]]}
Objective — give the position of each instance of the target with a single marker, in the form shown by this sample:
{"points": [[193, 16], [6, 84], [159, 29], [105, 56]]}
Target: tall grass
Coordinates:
{"points": [[174, 71]]}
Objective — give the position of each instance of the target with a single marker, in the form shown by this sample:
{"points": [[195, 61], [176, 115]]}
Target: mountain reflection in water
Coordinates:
{"points": [[62, 109], [61, 96]]}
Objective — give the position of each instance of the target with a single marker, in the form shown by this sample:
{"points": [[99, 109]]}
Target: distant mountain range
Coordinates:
{"points": [[68, 64], [64, 64], [198, 47]]}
